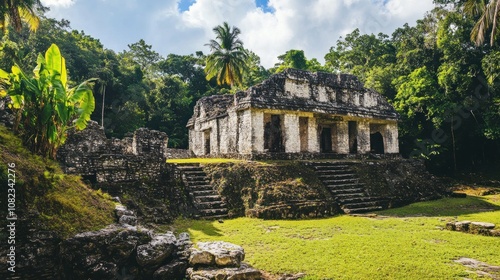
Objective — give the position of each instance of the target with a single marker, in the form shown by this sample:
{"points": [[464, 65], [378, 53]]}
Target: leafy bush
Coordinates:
{"points": [[45, 106]]}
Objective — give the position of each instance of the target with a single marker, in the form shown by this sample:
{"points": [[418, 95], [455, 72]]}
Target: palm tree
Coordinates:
{"points": [[227, 62], [489, 13], [14, 12]]}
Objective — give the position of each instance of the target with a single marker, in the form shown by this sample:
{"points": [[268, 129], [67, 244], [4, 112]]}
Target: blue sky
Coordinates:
{"points": [[269, 27]]}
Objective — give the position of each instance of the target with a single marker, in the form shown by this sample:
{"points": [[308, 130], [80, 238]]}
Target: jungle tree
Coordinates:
{"points": [[227, 60]]}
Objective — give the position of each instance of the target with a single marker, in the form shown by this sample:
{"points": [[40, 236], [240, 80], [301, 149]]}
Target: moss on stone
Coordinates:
{"points": [[274, 190], [48, 199]]}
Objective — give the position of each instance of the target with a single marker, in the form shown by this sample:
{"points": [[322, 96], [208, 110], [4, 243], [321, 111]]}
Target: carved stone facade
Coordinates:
{"points": [[295, 112]]}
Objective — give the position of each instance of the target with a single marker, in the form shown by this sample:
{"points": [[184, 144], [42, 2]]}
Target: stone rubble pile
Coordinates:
{"points": [[128, 251], [220, 261], [480, 228]]}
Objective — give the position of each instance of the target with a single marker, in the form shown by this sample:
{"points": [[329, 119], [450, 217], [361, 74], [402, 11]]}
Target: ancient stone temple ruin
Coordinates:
{"points": [[295, 113]]}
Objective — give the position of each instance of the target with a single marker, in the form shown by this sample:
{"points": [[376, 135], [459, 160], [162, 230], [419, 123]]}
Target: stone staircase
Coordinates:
{"points": [[206, 200], [344, 185]]}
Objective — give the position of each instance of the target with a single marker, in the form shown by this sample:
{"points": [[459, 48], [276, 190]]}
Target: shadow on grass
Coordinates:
{"points": [[206, 227], [444, 207]]}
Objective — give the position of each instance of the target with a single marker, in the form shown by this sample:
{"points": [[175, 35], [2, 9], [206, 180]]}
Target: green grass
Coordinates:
{"points": [[404, 243], [64, 204]]}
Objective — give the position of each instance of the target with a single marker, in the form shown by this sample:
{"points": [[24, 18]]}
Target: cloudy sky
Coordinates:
{"points": [[269, 27]]}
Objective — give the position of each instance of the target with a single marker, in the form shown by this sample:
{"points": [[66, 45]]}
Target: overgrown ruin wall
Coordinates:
{"points": [[295, 112], [132, 168], [399, 181]]}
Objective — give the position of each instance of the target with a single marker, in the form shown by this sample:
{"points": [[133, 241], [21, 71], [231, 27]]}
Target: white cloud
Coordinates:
{"points": [[58, 3], [313, 26]]}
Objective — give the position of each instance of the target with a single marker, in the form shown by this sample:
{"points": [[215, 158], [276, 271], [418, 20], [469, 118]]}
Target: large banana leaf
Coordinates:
{"points": [[85, 104], [55, 61], [45, 103]]}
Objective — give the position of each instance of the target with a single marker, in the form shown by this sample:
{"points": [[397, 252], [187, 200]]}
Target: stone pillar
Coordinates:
{"points": [[258, 132], [341, 145], [391, 141], [196, 141], [245, 132], [223, 136], [292, 133], [232, 132], [313, 141], [214, 138], [363, 137]]}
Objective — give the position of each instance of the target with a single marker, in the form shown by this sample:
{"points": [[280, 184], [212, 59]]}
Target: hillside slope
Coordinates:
{"points": [[45, 205]]}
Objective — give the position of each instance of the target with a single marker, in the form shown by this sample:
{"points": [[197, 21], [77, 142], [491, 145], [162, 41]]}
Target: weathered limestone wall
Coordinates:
{"points": [[236, 125], [133, 169], [90, 153], [313, 140], [292, 133], [245, 132], [363, 137], [342, 139], [400, 181], [257, 131]]}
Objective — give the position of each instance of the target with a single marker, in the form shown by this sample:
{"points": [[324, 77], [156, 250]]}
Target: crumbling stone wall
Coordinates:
{"points": [[399, 181], [304, 105], [132, 168]]}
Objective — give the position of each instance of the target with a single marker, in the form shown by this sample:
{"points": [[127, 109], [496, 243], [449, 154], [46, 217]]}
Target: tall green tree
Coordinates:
{"points": [[14, 12], [227, 60], [358, 53], [489, 14], [44, 105], [297, 59]]}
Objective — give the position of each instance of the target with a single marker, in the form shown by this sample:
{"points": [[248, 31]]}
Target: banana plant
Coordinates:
{"points": [[44, 105]]}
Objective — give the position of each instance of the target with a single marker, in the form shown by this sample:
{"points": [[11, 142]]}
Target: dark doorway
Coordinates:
{"points": [[377, 143], [353, 137], [326, 140], [273, 140]]}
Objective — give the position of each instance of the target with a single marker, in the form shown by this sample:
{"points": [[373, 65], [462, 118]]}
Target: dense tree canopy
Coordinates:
{"points": [[444, 85]]}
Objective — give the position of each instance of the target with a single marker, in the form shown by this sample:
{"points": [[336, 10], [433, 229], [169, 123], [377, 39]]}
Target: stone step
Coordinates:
{"points": [[203, 193], [349, 195], [340, 181], [345, 186], [362, 210], [197, 178], [189, 168], [212, 212], [197, 182], [344, 191], [330, 167], [210, 205], [207, 198], [201, 188], [195, 173], [337, 176], [357, 205], [333, 171], [349, 200]]}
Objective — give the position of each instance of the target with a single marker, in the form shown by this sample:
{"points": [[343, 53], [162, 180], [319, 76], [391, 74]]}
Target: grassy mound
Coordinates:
{"points": [[47, 199], [404, 243]]}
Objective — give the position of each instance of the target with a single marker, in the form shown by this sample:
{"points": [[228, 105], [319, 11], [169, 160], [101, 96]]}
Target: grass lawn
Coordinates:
{"points": [[403, 243]]}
